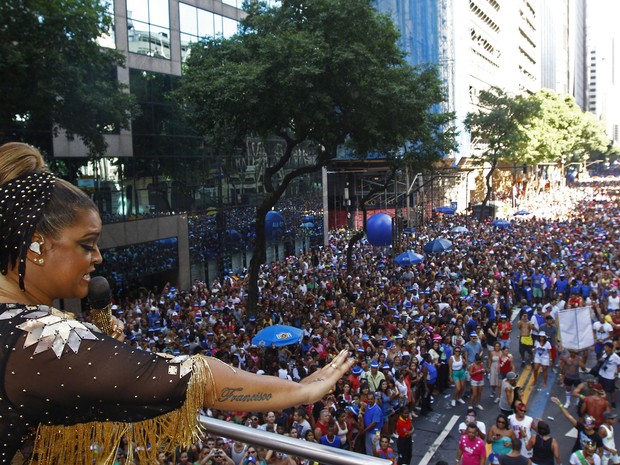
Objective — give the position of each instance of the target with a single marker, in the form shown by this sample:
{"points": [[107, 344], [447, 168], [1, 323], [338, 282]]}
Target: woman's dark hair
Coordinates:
{"points": [[543, 428]]}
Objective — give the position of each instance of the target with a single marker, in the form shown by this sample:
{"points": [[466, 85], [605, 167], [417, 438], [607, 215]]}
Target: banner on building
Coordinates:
{"points": [[575, 326]]}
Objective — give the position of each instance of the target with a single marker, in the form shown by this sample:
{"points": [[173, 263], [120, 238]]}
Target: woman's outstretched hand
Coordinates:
{"points": [[321, 381]]}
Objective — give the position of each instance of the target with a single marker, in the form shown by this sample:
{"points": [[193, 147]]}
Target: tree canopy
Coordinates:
{"points": [[53, 73], [559, 127], [529, 129], [325, 72]]}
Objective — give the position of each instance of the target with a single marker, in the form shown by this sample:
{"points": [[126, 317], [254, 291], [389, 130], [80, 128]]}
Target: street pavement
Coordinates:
{"points": [[436, 435]]}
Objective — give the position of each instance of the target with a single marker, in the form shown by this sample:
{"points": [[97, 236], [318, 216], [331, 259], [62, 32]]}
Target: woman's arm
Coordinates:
{"points": [[570, 418], [241, 390]]}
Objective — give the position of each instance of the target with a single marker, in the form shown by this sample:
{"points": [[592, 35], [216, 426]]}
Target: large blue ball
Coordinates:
{"points": [[274, 225], [379, 229]]}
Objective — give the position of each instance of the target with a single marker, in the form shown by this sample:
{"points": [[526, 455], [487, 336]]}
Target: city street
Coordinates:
{"points": [[436, 436]]}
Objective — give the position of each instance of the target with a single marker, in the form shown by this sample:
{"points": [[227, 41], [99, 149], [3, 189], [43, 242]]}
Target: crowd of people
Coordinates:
{"points": [[441, 327]]}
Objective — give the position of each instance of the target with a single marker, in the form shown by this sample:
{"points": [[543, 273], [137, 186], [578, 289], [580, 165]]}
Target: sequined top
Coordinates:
{"points": [[58, 371]]}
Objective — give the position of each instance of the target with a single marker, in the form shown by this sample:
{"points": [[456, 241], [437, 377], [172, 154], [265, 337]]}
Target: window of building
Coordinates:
{"points": [[148, 23], [108, 40], [196, 24]]}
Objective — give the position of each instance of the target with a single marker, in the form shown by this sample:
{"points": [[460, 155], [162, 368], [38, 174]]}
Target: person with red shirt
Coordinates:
{"points": [[355, 379], [504, 329], [384, 450], [404, 430], [471, 449]]}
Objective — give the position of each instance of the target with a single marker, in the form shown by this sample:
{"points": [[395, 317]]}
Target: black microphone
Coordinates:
{"points": [[100, 303]]}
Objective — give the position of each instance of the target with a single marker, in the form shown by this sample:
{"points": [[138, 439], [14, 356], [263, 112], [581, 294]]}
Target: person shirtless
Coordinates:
{"points": [[526, 343], [569, 368]]}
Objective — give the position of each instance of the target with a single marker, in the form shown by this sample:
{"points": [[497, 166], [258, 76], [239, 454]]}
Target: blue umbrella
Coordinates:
{"points": [[460, 229], [501, 223], [445, 210], [437, 246], [522, 213], [278, 335], [408, 258]]}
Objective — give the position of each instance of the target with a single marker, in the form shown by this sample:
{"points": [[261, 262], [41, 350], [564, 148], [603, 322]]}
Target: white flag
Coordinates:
{"points": [[576, 328]]}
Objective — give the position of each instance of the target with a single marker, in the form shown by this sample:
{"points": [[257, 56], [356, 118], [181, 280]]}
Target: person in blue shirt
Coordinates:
{"points": [[517, 284], [429, 378], [490, 309], [331, 439], [561, 287], [372, 422], [537, 292], [575, 287], [528, 293]]}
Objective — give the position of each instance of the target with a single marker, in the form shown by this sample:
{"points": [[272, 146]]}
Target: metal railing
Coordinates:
{"points": [[295, 447]]}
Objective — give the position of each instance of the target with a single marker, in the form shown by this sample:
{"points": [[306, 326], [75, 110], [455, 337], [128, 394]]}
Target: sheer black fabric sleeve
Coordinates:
{"points": [[106, 380]]}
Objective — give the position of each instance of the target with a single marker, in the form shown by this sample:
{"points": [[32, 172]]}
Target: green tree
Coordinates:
{"points": [[499, 126], [591, 137], [325, 72], [560, 129], [53, 74]]}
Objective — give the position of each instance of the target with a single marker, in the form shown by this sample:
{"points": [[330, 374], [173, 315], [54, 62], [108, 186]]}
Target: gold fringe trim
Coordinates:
{"points": [[97, 442]]}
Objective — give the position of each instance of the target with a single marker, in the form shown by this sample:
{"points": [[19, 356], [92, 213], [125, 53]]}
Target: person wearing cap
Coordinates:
{"points": [[355, 378], [375, 376], [507, 393], [472, 348], [586, 431], [504, 329], [561, 286], [613, 301], [606, 432], [595, 405], [586, 456], [542, 358], [523, 425]]}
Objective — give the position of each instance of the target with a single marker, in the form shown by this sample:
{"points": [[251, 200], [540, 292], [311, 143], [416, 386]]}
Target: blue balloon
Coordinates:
{"points": [[274, 225], [379, 229]]}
